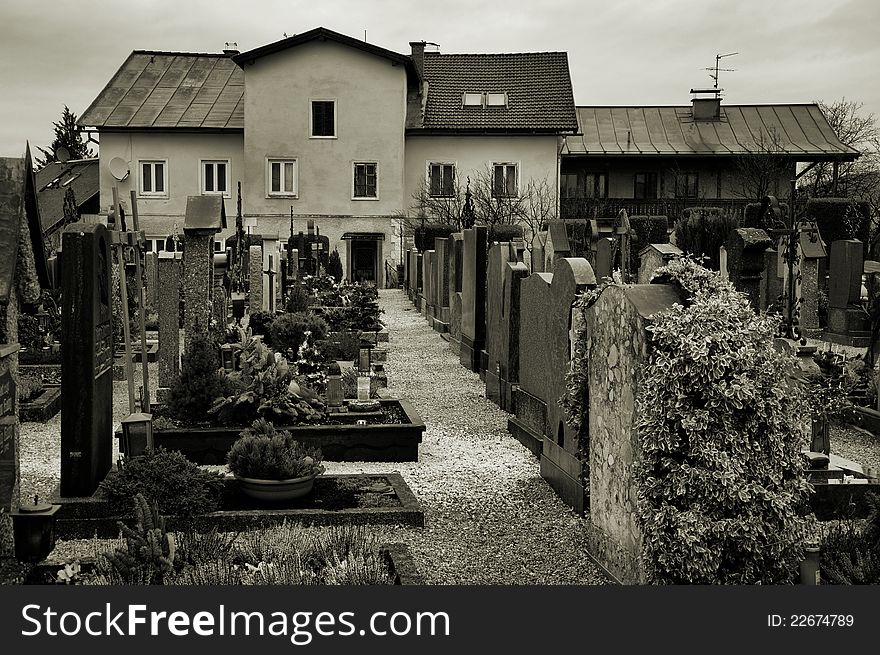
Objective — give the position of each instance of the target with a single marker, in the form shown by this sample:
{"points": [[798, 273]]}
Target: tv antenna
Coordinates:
{"points": [[716, 69]]}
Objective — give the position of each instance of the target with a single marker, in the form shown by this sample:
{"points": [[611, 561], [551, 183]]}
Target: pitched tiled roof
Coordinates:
{"points": [[801, 130], [538, 88], [171, 90], [54, 179]]}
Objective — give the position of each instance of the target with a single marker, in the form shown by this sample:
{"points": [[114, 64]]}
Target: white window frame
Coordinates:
{"points": [[312, 134], [354, 166], [140, 180], [219, 245], [503, 95], [517, 167], [428, 166], [282, 194], [473, 94], [228, 162]]}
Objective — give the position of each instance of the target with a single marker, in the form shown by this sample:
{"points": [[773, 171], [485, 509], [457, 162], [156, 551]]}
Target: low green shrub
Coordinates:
{"points": [[343, 347], [28, 389], [149, 550], [165, 477], [298, 299]]}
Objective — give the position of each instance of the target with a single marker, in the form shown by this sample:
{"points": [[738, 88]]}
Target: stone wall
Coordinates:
{"points": [[617, 346]]}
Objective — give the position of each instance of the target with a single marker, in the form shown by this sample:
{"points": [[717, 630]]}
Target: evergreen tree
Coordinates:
{"points": [[67, 135]]}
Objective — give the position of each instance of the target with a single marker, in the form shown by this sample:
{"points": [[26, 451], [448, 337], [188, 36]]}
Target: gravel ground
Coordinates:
{"points": [[490, 517]]}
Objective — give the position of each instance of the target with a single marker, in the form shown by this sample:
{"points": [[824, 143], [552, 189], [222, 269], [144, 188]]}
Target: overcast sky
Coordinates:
{"points": [[57, 52]]}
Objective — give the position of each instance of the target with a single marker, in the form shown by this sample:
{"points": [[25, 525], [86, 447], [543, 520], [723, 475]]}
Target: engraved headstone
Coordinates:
{"points": [[87, 360]]}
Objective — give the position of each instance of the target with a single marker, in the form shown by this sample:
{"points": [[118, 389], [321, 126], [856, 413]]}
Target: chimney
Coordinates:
{"points": [[706, 104], [418, 57], [231, 49]]}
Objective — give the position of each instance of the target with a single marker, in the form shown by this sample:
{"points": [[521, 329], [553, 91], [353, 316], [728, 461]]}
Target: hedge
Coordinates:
{"points": [[646, 230], [839, 218], [424, 235]]}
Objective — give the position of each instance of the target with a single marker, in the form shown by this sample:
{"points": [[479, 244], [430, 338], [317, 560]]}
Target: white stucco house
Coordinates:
{"points": [[324, 127]]}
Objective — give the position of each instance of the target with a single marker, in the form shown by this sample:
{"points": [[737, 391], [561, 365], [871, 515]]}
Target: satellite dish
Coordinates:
{"points": [[118, 168], [62, 154]]}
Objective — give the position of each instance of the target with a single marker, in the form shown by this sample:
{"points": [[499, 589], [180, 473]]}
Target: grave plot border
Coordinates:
{"points": [[42, 408], [83, 518], [386, 442]]}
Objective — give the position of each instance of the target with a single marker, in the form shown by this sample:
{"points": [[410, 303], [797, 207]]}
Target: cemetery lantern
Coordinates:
{"points": [[365, 356], [137, 434], [227, 357], [33, 527], [334, 387]]}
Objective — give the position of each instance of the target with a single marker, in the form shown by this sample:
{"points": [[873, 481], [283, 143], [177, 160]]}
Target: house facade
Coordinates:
{"points": [[660, 160], [324, 128]]}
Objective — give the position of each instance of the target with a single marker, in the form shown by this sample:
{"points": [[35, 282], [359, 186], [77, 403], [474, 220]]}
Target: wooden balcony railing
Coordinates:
{"points": [[670, 207]]}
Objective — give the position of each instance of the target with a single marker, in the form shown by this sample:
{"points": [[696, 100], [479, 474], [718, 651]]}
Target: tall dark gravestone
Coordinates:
{"points": [[87, 360], [473, 296]]}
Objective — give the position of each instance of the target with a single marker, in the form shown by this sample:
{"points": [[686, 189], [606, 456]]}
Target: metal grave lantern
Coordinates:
{"points": [[33, 528], [227, 357], [365, 356], [239, 303], [137, 434], [334, 387]]}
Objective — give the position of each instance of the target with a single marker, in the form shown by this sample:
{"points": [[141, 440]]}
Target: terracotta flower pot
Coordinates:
{"points": [[276, 490]]}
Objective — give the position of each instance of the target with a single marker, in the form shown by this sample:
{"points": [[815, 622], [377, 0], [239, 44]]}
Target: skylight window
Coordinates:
{"points": [[496, 99], [472, 100]]}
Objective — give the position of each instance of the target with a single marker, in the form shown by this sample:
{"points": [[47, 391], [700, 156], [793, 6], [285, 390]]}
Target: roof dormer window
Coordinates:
{"points": [[472, 100], [496, 99]]}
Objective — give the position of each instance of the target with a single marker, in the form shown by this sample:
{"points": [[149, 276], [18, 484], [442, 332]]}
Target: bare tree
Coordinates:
{"points": [[761, 169], [540, 208], [859, 178]]}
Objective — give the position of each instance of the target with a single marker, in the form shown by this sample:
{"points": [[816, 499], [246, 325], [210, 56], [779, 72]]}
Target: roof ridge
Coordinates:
{"points": [[495, 54], [174, 53]]}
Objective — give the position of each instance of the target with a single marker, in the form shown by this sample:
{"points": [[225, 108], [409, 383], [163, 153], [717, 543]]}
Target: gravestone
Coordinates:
{"points": [[812, 255], [508, 365], [771, 282], [419, 280], [220, 309], [545, 318], [271, 280], [618, 343], [722, 263], [652, 257], [744, 260], [499, 256], [473, 296], [441, 282], [255, 278], [169, 318], [455, 242], [539, 250], [205, 217], [151, 275], [87, 360], [604, 258], [847, 324], [428, 276], [23, 272]]}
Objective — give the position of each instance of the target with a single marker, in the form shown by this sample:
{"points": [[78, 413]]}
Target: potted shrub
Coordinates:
{"points": [[271, 465]]}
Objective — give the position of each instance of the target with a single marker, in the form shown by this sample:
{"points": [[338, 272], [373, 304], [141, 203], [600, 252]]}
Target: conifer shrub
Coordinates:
{"points": [[289, 330], [199, 384], [702, 231], [297, 299], [334, 266], [261, 323], [264, 453], [721, 422]]}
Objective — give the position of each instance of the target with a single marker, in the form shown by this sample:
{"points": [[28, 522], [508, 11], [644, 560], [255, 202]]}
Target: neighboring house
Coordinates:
{"points": [[487, 115], [327, 128], [659, 160], [52, 183]]}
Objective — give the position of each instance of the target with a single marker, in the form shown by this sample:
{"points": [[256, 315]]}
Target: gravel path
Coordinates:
{"points": [[490, 517]]}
